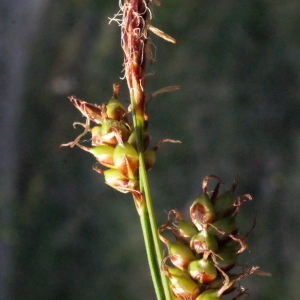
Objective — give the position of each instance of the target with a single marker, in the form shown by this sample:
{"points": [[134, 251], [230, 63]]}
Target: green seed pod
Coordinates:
{"points": [[203, 241], [149, 158], [96, 132], [126, 159], [226, 259], [125, 133], [184, 231], [202, 211], [146, 139], [106, 127], [232, 246], [115, 110], [178, 272], [118, 181], [202, 270], [180, 255], [227, 255], [109, 131], [183, 287], [132, 139], [104, 155], [224, 204], [225, 226], [217, 283], [209, 295]]}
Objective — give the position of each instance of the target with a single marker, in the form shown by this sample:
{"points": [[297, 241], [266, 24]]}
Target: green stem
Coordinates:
{"points": [[146, 228], [157, 245], [152, 234]]}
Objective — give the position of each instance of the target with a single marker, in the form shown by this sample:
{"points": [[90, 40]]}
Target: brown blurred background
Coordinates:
{"points": [[64, 234]]}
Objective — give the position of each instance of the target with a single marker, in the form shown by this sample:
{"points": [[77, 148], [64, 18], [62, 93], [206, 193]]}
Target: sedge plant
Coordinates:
{"points": [[201, 257]]}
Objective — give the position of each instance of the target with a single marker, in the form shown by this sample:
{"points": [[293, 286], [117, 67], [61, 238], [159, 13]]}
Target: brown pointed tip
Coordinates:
{"points": [[72, 97], [75, 101], [116, 87], [161, 34]]}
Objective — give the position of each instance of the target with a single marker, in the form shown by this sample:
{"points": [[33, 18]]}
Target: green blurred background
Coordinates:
{"points": [[65, 234]]}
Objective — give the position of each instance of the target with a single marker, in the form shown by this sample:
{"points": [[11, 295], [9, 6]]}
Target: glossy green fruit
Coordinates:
{"points": [[146, 139], [125, 133], [180, 255], [104, 155], [149, 158], [202, 211], [115, 110], [225, 226], [226, 258], [184, 287], [202, 270], [203, 241], [118, 181], [231, 245], [224, 204], [126, 160], [184, 231], [96, 132], [106, 126], [176, 271]]}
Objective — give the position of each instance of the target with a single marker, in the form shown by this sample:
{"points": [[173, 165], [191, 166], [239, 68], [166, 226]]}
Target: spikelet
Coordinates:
{"points": [[206, 250]]}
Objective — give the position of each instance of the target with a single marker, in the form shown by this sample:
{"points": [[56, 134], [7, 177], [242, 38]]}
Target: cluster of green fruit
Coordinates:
{"points": [[207, 248], [113, 143]]}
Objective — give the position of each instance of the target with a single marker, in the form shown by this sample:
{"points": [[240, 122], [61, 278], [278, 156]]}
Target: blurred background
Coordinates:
{"points": [[64, 234]]}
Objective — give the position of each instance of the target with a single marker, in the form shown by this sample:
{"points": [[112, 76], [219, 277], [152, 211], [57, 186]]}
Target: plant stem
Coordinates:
{"points": [[155, 273], [151, 233], [134, 28], [145, 186]]}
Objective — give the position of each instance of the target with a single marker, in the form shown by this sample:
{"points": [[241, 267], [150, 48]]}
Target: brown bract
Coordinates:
{"points": [[136, 14]]}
